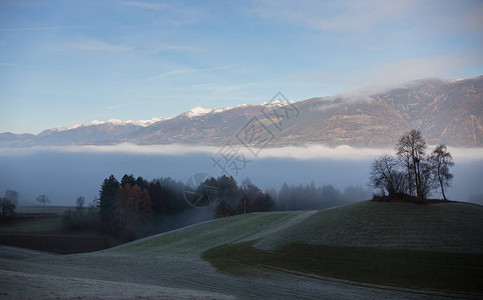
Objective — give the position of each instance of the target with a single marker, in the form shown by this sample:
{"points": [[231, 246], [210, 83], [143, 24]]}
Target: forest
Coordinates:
{"points": [[135, 207]]}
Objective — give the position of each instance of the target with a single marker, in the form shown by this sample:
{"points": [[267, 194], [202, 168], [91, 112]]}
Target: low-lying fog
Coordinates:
{"points": [[65, 173]]}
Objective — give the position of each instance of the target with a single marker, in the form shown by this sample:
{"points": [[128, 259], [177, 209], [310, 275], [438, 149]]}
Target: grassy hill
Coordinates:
{"points": [[448, 227], [433, 246], [283, 255]]}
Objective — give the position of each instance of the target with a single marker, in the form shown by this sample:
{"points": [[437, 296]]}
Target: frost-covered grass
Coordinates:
{"points": [[449, 227], [195, 239], [436, 246], [18, 253], [81, 288], [395, 267], [171, 262]]}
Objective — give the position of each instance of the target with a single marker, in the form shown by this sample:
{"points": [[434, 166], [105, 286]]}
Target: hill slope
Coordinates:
{"points": [[448, 227], [433, 246], [170, 263]]}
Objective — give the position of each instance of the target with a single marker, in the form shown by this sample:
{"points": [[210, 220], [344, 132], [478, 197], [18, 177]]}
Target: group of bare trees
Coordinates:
{"points": [[412, 172]]}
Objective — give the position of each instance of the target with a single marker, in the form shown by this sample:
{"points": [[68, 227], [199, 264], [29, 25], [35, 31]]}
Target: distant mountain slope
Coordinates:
{"points": [[449, 112]]}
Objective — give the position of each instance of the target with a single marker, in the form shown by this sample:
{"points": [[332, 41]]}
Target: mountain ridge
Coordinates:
{"points": [[447, 111]]}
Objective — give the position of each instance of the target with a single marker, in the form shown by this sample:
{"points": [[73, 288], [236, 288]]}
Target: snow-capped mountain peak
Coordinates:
{"points": [[278, 102], [198, 111], [117, 122]]}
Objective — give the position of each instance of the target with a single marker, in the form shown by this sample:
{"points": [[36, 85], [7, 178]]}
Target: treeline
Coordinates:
{"points": [[135, 207], [310, 197], [128, 208], [234, 199]]}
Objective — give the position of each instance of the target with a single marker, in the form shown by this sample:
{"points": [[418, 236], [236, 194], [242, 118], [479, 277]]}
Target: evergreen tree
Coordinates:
{"points": [[107, 200], [128, 179]]}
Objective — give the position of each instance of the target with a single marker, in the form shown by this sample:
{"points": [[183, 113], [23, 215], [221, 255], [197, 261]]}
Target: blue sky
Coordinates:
{"points": [[71, 62]]}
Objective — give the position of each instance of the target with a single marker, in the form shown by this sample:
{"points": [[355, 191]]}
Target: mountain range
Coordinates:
{"points": [[449, 112]]}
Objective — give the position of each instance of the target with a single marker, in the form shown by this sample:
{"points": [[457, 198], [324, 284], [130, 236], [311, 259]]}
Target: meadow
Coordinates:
{"points": [[276, 255], [40, 228]]}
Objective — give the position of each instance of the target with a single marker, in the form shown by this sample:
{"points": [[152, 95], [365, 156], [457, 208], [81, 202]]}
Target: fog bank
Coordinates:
{"points": [[65, 173]]}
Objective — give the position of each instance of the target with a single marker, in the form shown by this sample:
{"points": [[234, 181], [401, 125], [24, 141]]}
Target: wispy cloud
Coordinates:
{"points": [[378, 24], [333, 15], [362, 81], [186, 71], [145, 5], [177, 48], [12, 65], [95, 45], [398, 72], [42, 28], [117, 106], [175, 13]]}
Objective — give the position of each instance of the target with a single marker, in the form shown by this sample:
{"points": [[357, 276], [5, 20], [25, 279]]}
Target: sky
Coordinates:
{"points": [[72, 62]]}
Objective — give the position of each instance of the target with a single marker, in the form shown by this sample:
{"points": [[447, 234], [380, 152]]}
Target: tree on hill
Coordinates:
{"points": [[415, 173], [43, 199], [411, 147], [442, 160], [428, 182], [386, 177]]}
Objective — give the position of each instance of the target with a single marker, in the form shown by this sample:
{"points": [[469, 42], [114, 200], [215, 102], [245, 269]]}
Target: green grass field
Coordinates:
{"points": [[34, 220], [40, 209], [436, 246], [450, 227], [40, 228], [403, 268], [33, 224], [282, 255]]}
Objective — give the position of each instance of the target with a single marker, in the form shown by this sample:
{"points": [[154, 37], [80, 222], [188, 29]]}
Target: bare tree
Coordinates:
{"points": [[385, 175], [426, 178], [441, 161], [80, 202], [43, 199], [411, 147]]}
